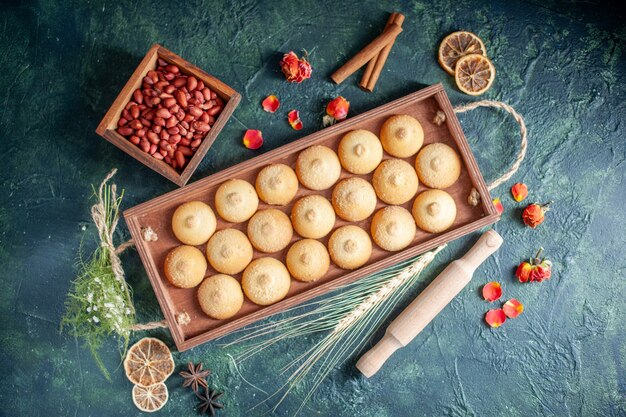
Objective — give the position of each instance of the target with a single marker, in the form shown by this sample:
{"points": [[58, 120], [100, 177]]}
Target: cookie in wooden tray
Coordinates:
{"points": [[438, 165], [395, 181], [185, 266], [270, 230], [229, 251], [318, 167], [277, 184], [313, 216], [354, 199], [193, 223], [350, 247], [434, 211], [236, 200], [401, 135], [393, 228], [308, 260], [360, 151], [220, 296], [266, 281]]}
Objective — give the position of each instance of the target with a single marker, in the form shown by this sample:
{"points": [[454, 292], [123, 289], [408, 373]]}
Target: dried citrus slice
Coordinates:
{"points": [[148, 362], [150, 399], [457, 45], [474, 74]]}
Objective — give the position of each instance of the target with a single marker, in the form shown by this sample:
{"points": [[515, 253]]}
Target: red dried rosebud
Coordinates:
{"points": [[534, 214], [519, 191], [513, 308], [541, 272], [495, 318], [270, 104], [523, 272], [338, 108], [295, 69], [498, 205]]}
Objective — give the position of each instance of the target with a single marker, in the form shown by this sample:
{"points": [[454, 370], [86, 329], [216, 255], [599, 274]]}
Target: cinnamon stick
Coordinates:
{"points": [[376, 64], [366, 54]]}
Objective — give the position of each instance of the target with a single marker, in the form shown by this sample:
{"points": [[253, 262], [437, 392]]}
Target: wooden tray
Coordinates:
{"points": [[157, 214], [107, 126]]}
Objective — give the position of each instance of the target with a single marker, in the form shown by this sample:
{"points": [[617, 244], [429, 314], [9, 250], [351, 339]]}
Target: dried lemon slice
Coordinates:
{"points": [[150, 399], [148, 362], [455, 46], [474, 74]]}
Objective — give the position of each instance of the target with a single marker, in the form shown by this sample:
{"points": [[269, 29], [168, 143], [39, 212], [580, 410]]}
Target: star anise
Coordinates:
{"points": [[208, 401], [196, 376]]}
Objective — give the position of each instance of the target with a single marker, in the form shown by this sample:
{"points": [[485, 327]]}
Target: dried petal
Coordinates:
{"points": [[498, 205], [513, 308], [270, 104], [492, 291], [253, 139], [523, 271], [338, 108], [495, 318], [294, 119], [519, 191]]}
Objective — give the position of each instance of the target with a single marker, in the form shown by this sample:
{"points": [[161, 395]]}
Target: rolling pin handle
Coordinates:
{"points": [[374, 359]]}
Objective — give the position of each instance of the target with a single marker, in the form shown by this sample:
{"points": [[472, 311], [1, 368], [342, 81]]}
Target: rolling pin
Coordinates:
{"points": [[429, 303]]}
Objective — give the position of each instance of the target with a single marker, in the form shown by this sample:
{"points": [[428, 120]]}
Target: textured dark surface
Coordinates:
{"points": [[560, 65]]}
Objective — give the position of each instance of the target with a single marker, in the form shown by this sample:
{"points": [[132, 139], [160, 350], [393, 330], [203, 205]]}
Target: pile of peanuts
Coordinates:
{"points": [[170, 115]]}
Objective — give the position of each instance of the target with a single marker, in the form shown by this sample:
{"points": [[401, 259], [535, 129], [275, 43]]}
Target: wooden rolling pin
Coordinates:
{"points": [[429, 303]]}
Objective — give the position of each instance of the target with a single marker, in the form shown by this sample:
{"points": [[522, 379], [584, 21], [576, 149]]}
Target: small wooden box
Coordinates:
{"points": [[157, 214], [107, 126]]}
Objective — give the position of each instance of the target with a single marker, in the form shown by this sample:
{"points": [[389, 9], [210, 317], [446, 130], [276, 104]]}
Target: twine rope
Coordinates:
{"points": [[473, 199]]}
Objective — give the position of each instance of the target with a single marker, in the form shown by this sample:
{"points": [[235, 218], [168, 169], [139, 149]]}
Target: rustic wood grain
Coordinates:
{"points": [[157, 213]]}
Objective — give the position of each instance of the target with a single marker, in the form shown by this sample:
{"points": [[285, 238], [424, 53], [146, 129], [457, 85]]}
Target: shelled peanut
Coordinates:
{"points": [[170, 115]]}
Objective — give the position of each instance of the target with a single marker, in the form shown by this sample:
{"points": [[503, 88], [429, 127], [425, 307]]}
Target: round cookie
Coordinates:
{"points": [[308, 260], [220, 296], [229, 251], [354, 199], [395, 181], [265, 281], [185, 266], [350, 247], [270, 230], [360, 151], [276, 184], [438, 165], [313, 216], [236, 201], [402, 136], [434, 211], [318, 167], [193, 223], [393, 228]]}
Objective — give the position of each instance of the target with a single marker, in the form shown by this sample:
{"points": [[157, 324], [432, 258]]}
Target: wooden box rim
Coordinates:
{"points": [[230, 96], [491, 216]]}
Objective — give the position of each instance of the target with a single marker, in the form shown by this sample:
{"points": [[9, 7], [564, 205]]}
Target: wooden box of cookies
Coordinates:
{"points": [[317, 213]]}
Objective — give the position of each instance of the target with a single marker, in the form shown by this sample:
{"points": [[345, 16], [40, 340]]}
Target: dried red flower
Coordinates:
{"points": [[338, 108], [295, 69], [253, 139], [513, 308], [498, 205], [294, 119], [270, 104], [495, 318], [534, 214], [537, 269], [492, 291], [519, 191]]}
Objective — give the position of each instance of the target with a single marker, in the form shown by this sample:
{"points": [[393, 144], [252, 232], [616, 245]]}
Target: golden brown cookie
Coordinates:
{"points": [[395, 181], [185, 266], [220, 296], [270, 230], [318, 167], [393, 228], [402, 136], [308, 260], [229, 251], [313, 216], [350, 247], [438, 165], [193, 223], [265, 281], [236, 201], [434, 211], [277, 184], [354, 199], [360, 151]]}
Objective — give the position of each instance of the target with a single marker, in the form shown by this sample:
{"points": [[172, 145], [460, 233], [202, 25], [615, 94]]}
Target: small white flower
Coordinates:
{"points": [[90, 297], [108, 305], [88, 309], [128, 311], [95, 308], [96, 319]]}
